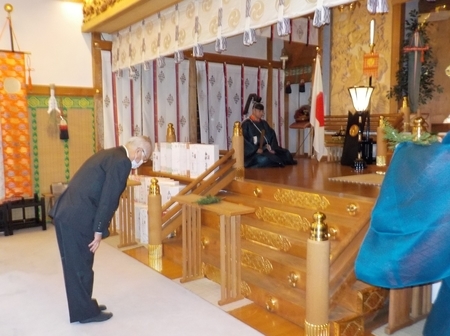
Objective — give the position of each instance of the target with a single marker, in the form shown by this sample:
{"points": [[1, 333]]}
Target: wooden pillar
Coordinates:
{"points": [[154, 226], [237, 142], [317, 279]]}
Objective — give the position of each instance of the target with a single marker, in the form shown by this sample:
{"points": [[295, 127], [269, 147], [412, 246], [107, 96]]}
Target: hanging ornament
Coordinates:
{"points": [[370, 60], [249, 36], [377, 6], [63, 129], [321, 15]]}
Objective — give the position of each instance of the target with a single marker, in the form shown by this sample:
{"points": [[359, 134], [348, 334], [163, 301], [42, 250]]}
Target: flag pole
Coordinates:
{"points": [[9, 8]]}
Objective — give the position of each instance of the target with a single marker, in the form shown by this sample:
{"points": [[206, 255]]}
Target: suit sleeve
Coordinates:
{"points": [[116, 175]]}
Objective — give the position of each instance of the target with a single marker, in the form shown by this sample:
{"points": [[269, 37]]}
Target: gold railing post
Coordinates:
{"points": [[317, 278], [154, 226], [170, 134], [237, 143]]}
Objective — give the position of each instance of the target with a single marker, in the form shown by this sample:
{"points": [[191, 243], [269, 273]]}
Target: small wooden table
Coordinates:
{"points": [[230, 243], [300, 126]]}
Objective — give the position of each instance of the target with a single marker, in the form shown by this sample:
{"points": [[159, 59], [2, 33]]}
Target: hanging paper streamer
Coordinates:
{"points": [[52, 103], [221, 42], [63, 129], [377, 6], [249, 36], [283, 24], [321, 15]]}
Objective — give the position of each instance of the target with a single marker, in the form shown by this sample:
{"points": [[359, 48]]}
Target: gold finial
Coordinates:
{"points": [[405, 101], [381, 121], [9, 8], [170, 136], [319, 229], [237, 129], [154, 187], [419, 127]]}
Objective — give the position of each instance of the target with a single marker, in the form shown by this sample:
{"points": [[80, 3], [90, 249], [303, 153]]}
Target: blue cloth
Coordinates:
{"points": [[408, 241]]}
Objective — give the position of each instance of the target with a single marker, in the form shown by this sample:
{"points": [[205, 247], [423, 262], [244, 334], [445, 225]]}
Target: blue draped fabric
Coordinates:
{"points": [[408, 241]]}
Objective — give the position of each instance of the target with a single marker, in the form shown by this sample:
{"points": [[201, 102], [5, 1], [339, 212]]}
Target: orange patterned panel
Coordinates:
{"points": [[14, 125]]}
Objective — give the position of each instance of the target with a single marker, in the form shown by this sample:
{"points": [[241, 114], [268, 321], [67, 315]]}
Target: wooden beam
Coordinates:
{"points": [[97, 46], [124, 14], [70, 91], [236, 60], [398, 15]]}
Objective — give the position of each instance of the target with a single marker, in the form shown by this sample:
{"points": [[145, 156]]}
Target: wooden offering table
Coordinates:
{"points": [[230, 243], [126, 216], [301, 126]]}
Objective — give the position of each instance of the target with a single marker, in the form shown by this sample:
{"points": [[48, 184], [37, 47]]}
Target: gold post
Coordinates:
{"points": [[419, 127], [238, 145], [406, 114], [381, 143], [317, 278], [170, 136], [154, 226]]}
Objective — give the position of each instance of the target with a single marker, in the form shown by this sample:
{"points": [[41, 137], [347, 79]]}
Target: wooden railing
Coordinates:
{"points": [[210, 182]]}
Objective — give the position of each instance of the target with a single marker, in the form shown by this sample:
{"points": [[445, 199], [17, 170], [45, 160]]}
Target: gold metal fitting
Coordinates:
{"points": [[8, 7], [352, 208], [257, 192], [154, 187], [317, 329], [272, 304], [419, 127], [333, 233], [293, 278], [204, 242], [319, 229], [237, 129]]}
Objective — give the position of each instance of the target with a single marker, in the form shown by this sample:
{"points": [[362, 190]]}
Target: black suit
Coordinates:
{"points": [[86, 207]]}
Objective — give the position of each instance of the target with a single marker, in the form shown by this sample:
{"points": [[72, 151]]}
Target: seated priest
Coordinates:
{"points": [[261, 147]]}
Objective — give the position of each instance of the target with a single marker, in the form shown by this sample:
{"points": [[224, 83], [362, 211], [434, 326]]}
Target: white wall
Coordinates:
{"points": [[51, 31]]}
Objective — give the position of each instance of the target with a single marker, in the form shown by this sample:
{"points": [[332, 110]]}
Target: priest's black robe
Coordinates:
{"points": [[251, 131]]}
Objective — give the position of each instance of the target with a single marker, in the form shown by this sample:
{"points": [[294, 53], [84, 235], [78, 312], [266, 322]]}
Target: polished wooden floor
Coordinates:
{"points": [[310, 174]]}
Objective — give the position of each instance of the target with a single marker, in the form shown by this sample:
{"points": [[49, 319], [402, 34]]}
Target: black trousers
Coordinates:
{"points": [[77, 261]]}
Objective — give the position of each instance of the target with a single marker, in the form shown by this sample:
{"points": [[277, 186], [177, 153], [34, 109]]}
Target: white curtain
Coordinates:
{"points": [[166, 98], [216, 105], [183, 120], [222, 92], [233, 98], [202, 101], [136, 112]]}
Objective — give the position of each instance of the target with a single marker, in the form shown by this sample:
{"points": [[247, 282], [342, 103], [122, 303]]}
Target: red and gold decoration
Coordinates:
{"points": [[370, 65], [14, 124]]}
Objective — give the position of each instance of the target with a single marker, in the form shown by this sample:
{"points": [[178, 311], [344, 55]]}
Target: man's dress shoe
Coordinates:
{"points": [[103, 316], [102, 307]]}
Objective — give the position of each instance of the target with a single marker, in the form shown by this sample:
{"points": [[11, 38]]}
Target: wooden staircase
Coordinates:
{"points": [[273, 251]]}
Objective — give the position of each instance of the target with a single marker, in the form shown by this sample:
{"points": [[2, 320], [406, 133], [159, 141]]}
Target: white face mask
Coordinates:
{"points": [[136, 165]]}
